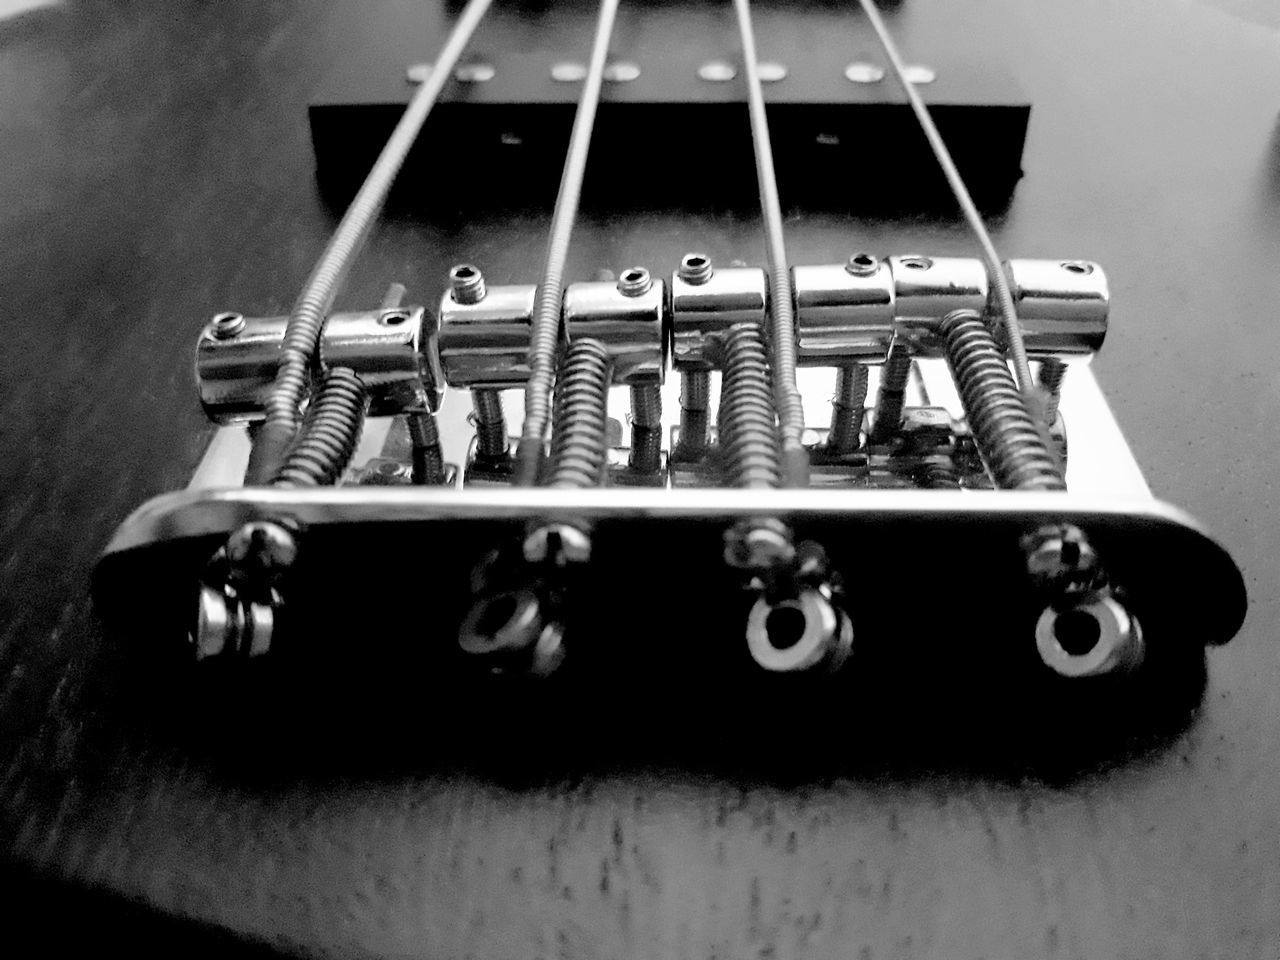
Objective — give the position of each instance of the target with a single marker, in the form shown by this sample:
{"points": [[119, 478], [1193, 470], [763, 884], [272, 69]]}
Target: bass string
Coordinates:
{"points": [[782, 327], [995, 272], [306, 320], [546, 334]]}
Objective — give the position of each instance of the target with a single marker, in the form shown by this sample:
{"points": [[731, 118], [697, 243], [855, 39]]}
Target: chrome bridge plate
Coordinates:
{"points": [[930, 574]]}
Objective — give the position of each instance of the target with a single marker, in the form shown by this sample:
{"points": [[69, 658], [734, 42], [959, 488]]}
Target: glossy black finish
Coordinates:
{"points": [[155, 167]]}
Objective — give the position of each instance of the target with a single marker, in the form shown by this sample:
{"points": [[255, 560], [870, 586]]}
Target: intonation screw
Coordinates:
{"points": [[862, 265], [635, 282], [695, 268], [227, 325], [467, 283]]}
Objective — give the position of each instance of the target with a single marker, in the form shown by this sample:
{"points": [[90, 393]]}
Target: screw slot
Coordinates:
{"points": [[917, 263], [393, 318], [1078, 267]]}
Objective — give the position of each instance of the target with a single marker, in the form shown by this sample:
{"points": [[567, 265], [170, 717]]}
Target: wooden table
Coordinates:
{"points": [[155, 167]]}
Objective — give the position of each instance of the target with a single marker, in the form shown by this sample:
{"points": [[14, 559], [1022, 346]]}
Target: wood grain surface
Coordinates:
{"points": [[155, 167]]}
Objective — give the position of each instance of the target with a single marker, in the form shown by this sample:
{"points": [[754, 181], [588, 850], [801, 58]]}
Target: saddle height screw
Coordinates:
{"points": [[635, 282], [467, 283], [695, 268], [226, 326], [862, 265]]}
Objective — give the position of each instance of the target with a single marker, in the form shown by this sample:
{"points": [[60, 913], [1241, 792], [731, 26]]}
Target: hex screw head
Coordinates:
{"points": [[467, 283], [226, 326], [635, 282], [695, 268], [862, 265]]}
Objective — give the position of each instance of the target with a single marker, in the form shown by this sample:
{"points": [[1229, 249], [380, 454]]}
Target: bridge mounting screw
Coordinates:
{"points": [[467, 283], [558, 544], [262, 551]]}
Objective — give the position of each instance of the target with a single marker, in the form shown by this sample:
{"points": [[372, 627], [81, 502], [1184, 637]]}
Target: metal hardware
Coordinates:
{"points": [[772, 72], [646, 430], [893, 392], [627, 319], [1089, 639], [557, 545], [622, 71], [428, 466], [508, 629], [928, 288], [329, 433], [475, 73], [717, 71], [392, 351], [860, 72], [545, 331], [1062, 305], [228, 624], [261, 552], [418, 73], [1050, 376], [747, 420], [706, 302], [848, 409], [799, 633], [919, 74], [492, 440], [579, 442], [466, 284], [1061, 561], [224, 326], [844, 312], [486, 344], [306, 322], [567, 71], [1009, 439], [695, 416]]}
